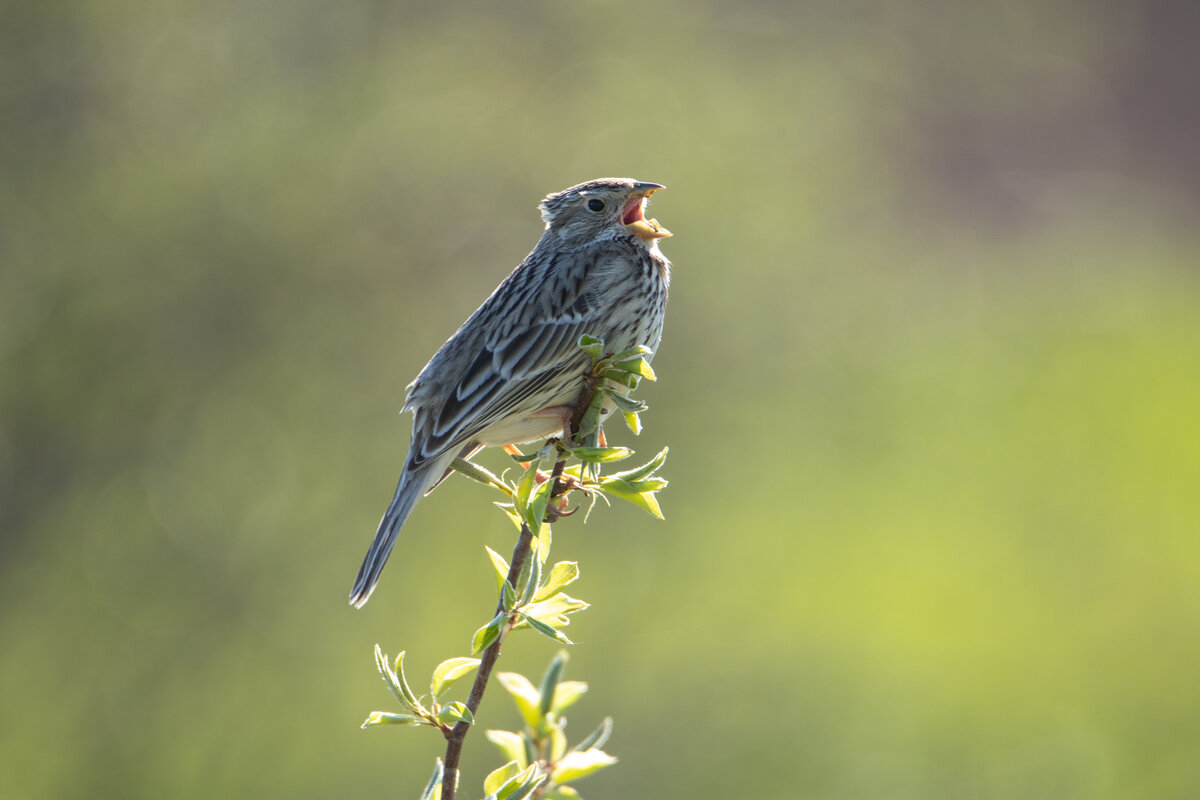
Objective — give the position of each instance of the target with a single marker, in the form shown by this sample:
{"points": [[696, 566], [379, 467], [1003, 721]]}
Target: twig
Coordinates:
{"points": [[457, 735]]}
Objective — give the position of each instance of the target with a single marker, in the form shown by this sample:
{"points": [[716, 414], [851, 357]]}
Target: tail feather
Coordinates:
{"points": [[408, 491]]}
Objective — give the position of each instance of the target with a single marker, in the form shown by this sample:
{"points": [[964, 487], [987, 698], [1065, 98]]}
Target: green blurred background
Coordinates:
{"points": [[931, 383]]}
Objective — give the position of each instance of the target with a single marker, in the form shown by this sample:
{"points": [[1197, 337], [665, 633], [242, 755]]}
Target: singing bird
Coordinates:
{"points": [[513, 372]]}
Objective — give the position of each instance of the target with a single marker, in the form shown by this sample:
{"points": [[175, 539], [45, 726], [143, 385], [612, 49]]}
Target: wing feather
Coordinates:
{"points": [[514, 365]]}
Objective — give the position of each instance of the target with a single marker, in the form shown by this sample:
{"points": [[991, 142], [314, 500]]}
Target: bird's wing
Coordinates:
{"points": [[510, 367]]}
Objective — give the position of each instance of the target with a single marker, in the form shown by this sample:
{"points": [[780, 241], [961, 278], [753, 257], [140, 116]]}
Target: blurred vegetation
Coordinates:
{"points": [[930, 378]]}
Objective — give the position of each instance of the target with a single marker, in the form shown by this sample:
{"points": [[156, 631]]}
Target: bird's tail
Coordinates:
{"points": [[408, 491]]}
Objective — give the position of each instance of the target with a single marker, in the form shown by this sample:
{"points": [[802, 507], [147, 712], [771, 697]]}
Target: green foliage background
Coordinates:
{"points": [[930, 382]]}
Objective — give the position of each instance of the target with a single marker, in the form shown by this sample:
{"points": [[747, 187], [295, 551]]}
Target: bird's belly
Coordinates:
{"points": [[524, 428]]}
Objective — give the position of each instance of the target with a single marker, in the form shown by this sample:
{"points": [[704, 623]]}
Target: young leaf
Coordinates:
{"points": [[591, 417], [650, 467], [633, 421], [525, 487], [524, 693], [580, 764], [533, 578], [555, 609], [592, 346], [500, 565], [601, 455], [501, 776], [435, 782], [487, 634], [633, 352], [562, 793], [454, 713], [651, 484], [561, 576], [566, 695], [521, 785], [394, 678], [598, 737], [511, 746], [538, 501], [621, 488], [558, 742], [508, 596], [638, 366], [545, 629], [511, 513], [448, 672], [622, 378], [477, 473], [389, 677], [626, 403], [550, 682], [388, 718], [542, 543]]}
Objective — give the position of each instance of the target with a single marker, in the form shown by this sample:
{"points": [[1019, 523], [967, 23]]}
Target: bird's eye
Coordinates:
{"points": [[595, 204]]}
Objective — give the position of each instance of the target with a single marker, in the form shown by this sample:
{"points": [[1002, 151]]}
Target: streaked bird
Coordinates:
{"points": [[513, 371]]}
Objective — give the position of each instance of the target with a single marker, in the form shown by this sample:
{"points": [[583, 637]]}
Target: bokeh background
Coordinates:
{"points": [[931, 383]]}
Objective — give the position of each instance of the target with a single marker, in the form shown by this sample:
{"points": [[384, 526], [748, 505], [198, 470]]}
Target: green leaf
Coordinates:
{"points": [[508, 596], [450, 671], [601, 455], [394, 678], [561, 576], [591, 417], [435, 782], [626, 403], [501, 567], [525, 488], [633, 421], [531, 751], [487, 634], [556, 608], [637, 473], [652, 484], [477, 473], [455, 712], [532, 582], [511, 745], [592, 346], [521, 785], [643, 500], [388, 718], [621, 379], [545, 629], [558, 742], [538, 501], [524, 694], [550, 682], [580, 764], [562, 793], [598, 737], [638, 366], [544, 539], [501, 776], [567, 694], [512, 514], [633, 352]]}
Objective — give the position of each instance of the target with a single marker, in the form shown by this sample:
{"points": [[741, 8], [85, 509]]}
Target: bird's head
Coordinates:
{"points": [[602, 209]]}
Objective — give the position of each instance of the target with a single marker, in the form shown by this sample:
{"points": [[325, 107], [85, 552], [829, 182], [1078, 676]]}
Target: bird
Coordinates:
{"points": [[514, 370]]}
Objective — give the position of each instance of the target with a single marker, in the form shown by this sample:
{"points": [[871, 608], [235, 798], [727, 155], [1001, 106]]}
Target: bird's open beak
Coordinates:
{"points": [[633, 217]]}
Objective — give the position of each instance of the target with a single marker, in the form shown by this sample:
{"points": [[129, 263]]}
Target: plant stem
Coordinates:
{"points": [[458, 734]]}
